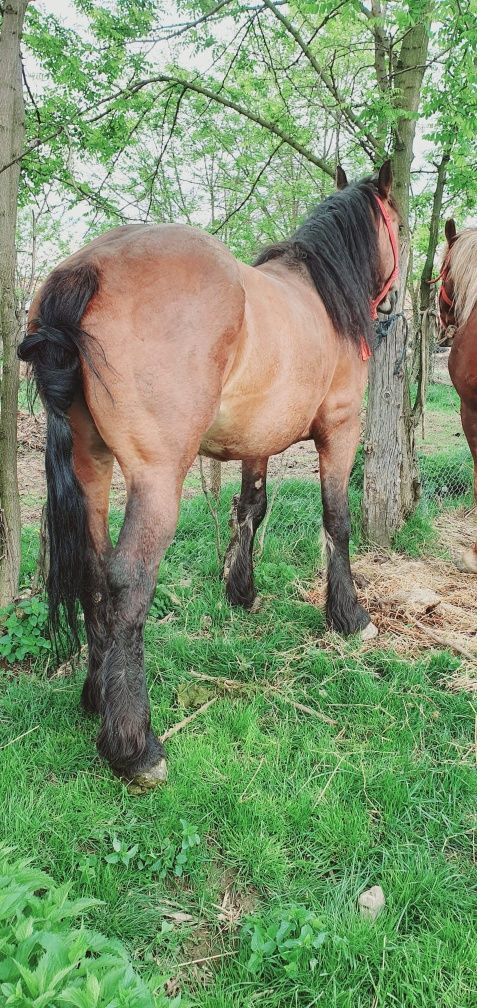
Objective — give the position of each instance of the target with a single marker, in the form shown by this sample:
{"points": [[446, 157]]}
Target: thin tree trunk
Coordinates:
{"points": [[391, 483], [390, 486], [426, 275], [426, 330], [215, 473], [12, 135]]}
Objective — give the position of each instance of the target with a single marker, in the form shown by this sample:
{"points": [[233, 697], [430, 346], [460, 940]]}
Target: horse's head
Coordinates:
{"points": [[388, 239], [446, 289]]}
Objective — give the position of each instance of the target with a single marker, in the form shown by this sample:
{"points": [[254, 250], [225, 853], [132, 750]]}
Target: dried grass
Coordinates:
{"points": [[32, 430], [388, 585]]}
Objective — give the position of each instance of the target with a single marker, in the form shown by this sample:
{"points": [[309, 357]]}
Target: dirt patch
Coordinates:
{"points": [[421, 604], [235, 903]]}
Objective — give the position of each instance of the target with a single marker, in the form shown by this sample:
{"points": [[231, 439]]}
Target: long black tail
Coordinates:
{"points": [[54, 346]]}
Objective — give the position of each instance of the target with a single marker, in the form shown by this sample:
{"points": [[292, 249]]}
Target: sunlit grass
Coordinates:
{"points": [[290, 810]]}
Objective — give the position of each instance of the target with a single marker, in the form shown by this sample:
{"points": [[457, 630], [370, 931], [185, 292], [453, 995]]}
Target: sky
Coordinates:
{"points": [[65, 10]]}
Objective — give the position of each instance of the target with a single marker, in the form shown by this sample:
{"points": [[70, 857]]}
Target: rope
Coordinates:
{"points": [[382, 330]]}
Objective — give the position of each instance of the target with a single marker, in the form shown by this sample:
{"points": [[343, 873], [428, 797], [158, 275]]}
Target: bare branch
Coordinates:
{"points": [[345, 109], [266, 124], [30, 95], [251, 190], [189, 85]]}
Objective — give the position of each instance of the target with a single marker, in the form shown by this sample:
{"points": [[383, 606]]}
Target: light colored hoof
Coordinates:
{"points": [[148, 780], [369, 632], [256, 604], [466, 562]]}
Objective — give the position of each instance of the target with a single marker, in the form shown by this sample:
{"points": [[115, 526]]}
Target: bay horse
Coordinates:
{"points": [[458, 308], [153, 344]]}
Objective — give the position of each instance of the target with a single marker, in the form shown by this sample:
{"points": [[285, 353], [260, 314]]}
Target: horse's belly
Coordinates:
{"points": [[247, 428]]}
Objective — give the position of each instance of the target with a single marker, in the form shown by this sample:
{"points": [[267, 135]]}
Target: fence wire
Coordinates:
{"points": [[445, 462]]}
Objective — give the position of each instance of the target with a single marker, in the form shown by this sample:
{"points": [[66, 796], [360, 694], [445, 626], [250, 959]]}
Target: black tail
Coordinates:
{"points": [[54, 346]]}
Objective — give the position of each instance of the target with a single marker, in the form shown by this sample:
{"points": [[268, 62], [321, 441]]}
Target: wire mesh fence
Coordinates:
{"points": [[445, 462]]}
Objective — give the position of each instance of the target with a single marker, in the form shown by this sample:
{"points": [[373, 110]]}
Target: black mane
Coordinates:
{"points": [[338, 245]]}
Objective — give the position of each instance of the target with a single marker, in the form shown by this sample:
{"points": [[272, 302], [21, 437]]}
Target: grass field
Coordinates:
{"points": [[294, 816]]}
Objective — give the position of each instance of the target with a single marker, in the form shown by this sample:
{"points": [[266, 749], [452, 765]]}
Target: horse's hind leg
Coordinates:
{"points": [[93, 463], [248, 511], [337, 444], [125, 738], [467, 561]]}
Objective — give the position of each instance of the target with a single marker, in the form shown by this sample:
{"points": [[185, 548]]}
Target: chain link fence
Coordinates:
{"points": [[445, 461]]}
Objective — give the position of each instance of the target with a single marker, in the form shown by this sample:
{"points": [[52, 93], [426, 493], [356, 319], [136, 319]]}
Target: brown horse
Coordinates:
{"points": [[458, 307], [152, 344]]}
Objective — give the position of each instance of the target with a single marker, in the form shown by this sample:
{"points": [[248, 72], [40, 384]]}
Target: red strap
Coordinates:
{"points": [[392, 238], [444, 295], [364, 346], [364, 349], [442, 276]]}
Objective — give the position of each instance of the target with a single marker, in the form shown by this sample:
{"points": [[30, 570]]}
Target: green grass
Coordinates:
{"points": [[294, 811], [440, 396]]}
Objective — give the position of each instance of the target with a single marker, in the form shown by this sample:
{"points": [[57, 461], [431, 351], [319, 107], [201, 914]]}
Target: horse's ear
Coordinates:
{"points": [[385, 179], [450, 230], [340, 178]]}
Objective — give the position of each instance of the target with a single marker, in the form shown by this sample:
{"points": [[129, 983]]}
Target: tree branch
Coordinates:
{"points": [[266, 124], [345, 109], [251, 190]]}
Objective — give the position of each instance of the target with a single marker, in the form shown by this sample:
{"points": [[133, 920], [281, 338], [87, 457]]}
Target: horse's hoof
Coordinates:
{"points": [[148, 779], [369, 632], [466, 562]]}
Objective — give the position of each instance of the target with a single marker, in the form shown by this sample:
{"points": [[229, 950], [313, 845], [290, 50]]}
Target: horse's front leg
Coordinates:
{"points": [[126, 738], [248, 511], [337, 444]]}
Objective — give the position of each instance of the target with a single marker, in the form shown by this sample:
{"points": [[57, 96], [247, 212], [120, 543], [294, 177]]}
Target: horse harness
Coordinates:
{"points": [[364, 346]]}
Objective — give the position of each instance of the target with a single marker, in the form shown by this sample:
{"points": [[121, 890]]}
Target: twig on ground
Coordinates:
{"points": [[213, 511], [225, 684], [204, 959], [444, 641], [67, 666], [330, 778], [18, 737], [187, 720], [302, 707], [232, 684]]}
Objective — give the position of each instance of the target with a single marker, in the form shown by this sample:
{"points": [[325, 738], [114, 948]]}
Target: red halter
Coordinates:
{"points": [[392, 238], [365, 350], [442, 276]]}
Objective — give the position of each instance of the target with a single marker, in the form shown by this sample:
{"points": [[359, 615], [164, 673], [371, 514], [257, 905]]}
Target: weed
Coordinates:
{"points": [[49, 959], [174, 857], [23, 630], [291, 940]]}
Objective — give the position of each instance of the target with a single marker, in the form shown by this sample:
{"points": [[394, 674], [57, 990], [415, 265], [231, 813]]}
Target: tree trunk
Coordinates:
{"points": [[426, 331], [391, 483], [390, 475], [12, 135]]}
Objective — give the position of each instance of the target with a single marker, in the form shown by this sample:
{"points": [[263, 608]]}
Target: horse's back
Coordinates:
{"points": [[164, 321], [147, 271]]}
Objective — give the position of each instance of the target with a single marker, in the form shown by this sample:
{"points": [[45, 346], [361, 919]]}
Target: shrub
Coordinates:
{"points": [[48, 959], [289, 941], [23, 630]]}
